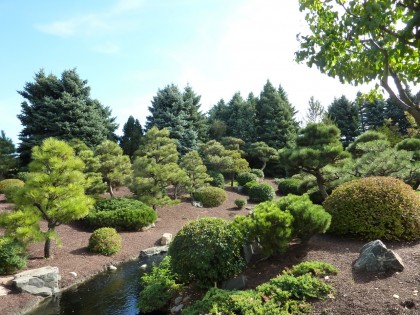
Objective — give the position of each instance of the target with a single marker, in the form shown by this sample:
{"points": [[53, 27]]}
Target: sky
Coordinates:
{"points": [[129, 49]]}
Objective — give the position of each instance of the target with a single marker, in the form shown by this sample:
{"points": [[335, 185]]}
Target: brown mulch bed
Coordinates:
{"points": [[356, 294]]}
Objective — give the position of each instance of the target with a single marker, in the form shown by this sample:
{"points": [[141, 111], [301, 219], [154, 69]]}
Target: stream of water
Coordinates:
{"points": [[109, 293]]}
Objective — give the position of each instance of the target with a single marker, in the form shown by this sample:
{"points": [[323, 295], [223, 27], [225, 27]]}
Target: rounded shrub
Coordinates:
{"points": [[375, 208], [289, 186], [6, 183], [240, 203], [258, 172], [207, 251], [210, 196], [308, 219], [123, 214], [247, 187], [12, 255], [218, 179], [246, 177], [105, 241], [261, 192]]}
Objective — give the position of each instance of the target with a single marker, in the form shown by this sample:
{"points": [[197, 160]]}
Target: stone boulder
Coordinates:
{"points": [[166, 239], [375, 257], [42, 281]]}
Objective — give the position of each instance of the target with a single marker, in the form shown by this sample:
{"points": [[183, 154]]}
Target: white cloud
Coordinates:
{"points": [[107, 20]]}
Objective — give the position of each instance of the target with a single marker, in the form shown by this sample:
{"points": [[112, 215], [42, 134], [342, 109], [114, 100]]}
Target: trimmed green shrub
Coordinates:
{"points": [[123, 214], [246, 177], [6, 183], [158, 287], [218, 179], [247, 187], [207, 251], [12, 255], [240, 203], [261, 192], [210, 196], [289, 186], [285, 294], [375, 208], [258, 172], [105, 241], [308, 219]]}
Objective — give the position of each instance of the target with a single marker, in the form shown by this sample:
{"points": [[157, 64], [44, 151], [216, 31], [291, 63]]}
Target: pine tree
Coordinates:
{"points": [[275, 124], [345, 115], [54, 192], [114, 166], [195, 169], [131, 138], [61, 108], [155, 168], [315, 111]]}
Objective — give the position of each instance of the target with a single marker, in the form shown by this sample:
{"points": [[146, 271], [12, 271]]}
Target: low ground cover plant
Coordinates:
{"points": [[210, 196], [105, 241], [288, 293], [375, 208], [123, 214]]}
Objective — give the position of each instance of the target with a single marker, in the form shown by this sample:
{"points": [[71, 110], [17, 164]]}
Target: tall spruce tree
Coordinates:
{"points": [[274, 118], [345, 115], [179, 113], [61, 108], [131, 138]]}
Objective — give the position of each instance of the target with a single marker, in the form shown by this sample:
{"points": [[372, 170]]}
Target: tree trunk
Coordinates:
{"points": [[232, 178], [320, 182], [47, 245], [264, 165], [110, 190]]}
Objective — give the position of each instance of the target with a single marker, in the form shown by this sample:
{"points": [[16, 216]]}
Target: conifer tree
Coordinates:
{"points": [[8, 161], [132, 133], [61, 108], [275, 124]]}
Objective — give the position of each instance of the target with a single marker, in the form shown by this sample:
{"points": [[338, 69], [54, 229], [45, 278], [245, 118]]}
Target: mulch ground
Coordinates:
{"points": [[357, 294]]}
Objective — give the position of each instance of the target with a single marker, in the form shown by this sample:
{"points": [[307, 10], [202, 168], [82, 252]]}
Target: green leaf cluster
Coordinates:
{"points": [[13, 255], [159, 286]]}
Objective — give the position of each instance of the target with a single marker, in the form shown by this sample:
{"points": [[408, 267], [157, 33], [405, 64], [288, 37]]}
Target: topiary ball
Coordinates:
{"points": [[218, 179], [375, 208], [258, 172], [207, 251], [105, 241], [246, 177], [240, 203], [210, 196], [261, 192], [289, 186]]}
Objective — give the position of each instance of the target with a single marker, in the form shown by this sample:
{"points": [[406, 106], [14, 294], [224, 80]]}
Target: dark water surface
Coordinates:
{"points": [[109, 293]]}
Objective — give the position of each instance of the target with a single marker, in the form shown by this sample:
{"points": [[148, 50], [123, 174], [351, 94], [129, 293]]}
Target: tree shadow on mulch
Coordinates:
{"points": [[82, 251]]}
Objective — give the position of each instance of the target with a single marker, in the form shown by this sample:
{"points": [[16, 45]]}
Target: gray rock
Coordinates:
{"points": [[6, 280], [152, 251], [236, 283], [197, 204], [42, 281], [178, 300], [112, 268], [375, 257], [177, 309]]}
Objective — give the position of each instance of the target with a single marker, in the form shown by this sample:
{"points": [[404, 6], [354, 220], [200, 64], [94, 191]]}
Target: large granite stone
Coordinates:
{"points": [[375, 257], [42, 281]]}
